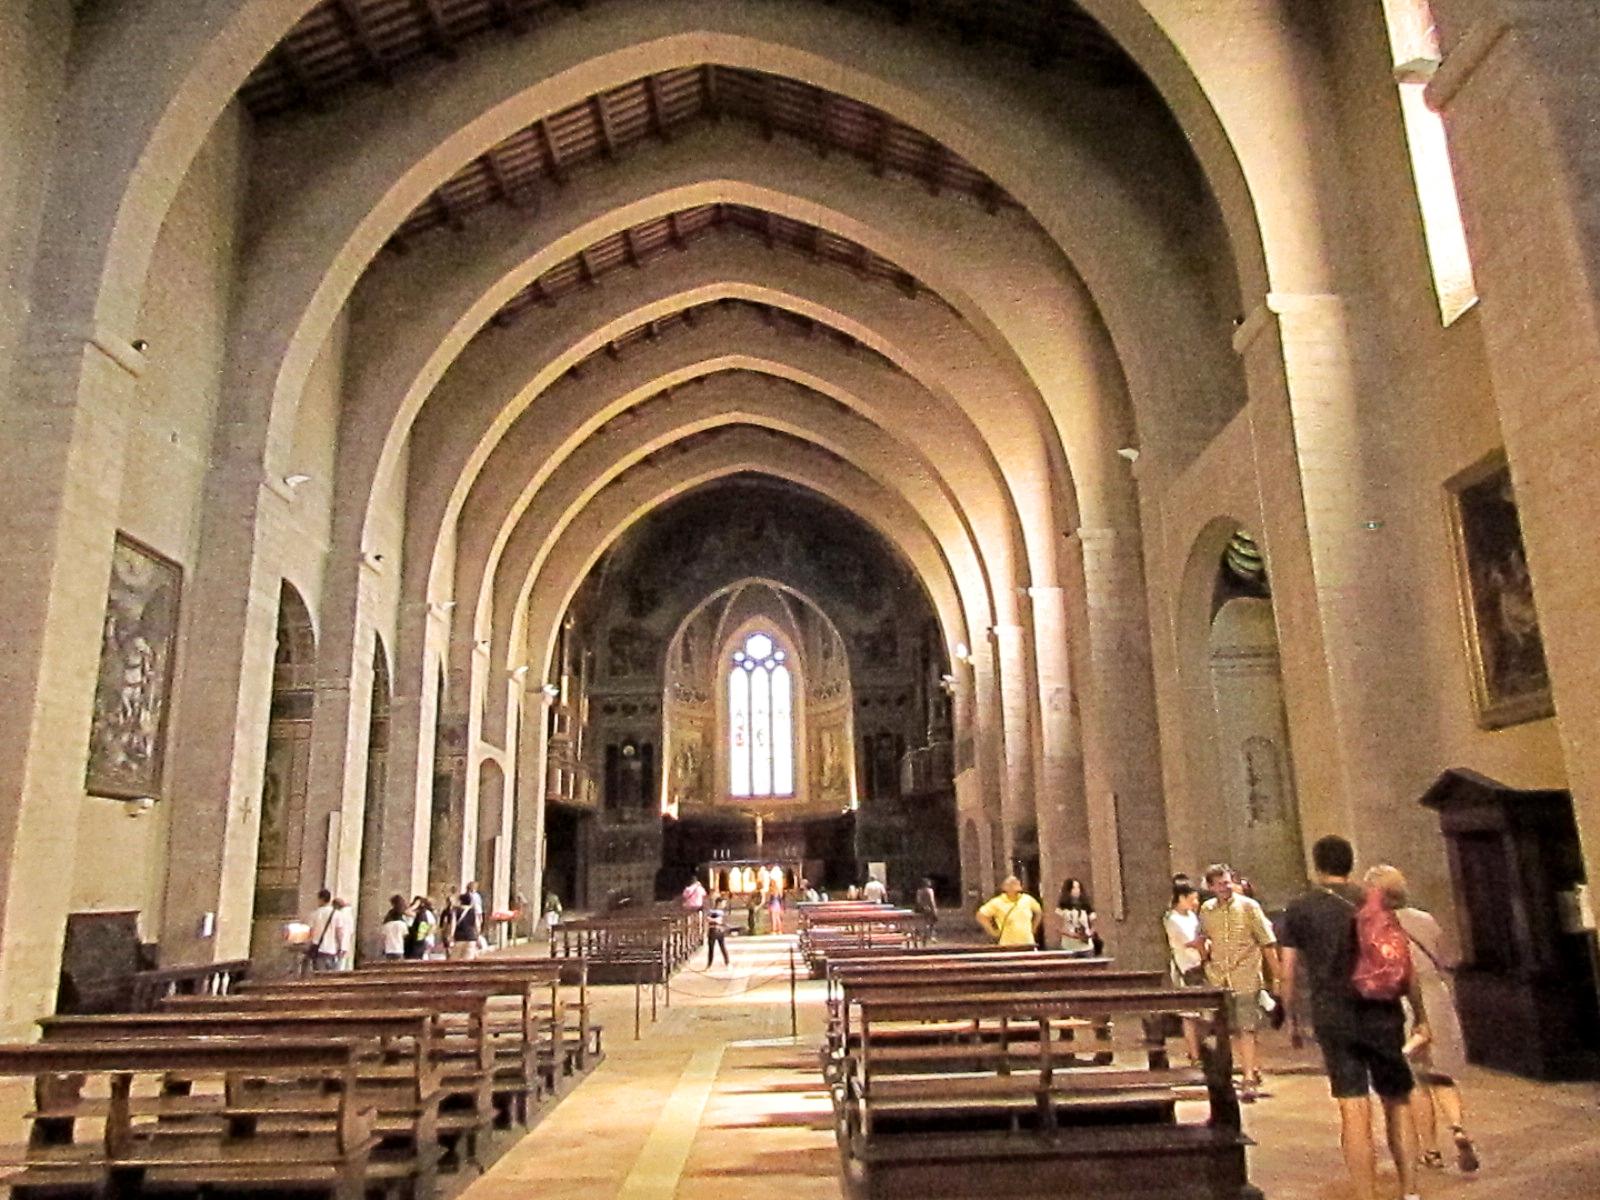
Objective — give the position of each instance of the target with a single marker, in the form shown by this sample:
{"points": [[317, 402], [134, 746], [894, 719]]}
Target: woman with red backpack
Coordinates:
{"points": [[1436, 1050]]}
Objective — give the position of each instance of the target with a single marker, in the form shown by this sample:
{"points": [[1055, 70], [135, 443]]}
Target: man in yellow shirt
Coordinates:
{"points": [[1013, 917]]}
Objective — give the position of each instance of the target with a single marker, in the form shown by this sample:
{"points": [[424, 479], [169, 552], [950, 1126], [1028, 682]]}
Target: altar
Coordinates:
{"points": [[745, 877]]}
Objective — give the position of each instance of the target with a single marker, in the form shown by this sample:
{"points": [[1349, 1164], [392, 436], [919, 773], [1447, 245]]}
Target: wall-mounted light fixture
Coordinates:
{"points": [[296, 481], [550, 692], [520, 673], [137, 806]]}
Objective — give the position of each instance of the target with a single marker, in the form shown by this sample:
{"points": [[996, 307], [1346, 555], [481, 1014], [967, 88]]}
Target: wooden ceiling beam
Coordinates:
{"points": [[602, 117], [658, 108], [512, 15], [432, 14], [551, 153], [360, 29], [934, 164], [880, 145], [289, 62], [502, 183], [708, 87]]}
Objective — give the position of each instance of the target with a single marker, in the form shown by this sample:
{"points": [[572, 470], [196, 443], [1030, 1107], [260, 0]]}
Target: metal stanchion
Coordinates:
{"points": [[794, 1010], [637, 1007]]}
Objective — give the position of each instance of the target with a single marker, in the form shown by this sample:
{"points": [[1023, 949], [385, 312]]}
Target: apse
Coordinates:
{"points": [[755, 673]]}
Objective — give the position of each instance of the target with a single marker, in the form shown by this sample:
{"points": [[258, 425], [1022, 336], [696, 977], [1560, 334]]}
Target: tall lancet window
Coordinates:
{"points": [[760, 720]]}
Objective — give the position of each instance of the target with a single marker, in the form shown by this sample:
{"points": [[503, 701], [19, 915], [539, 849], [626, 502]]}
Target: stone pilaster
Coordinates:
{"points": [[70, 411]]}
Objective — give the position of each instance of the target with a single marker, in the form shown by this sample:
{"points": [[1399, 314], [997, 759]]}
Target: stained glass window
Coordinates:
{"points": [[760, 720]]}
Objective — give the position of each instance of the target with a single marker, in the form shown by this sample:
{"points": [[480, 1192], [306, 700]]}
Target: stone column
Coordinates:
{"points": [[989, 744], [531, 763], [1016, 732], [1059, 803], [1519, 89], [413, 716], [66, 423], [1121, 749], [1303, 425], [220, 734]]}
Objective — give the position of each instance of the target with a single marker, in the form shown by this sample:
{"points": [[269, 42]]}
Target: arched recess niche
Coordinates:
{"points": [[1241, 803], [281, 843]]}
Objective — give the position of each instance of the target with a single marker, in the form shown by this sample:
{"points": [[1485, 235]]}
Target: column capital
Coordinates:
{"points": [[1270, 311]]}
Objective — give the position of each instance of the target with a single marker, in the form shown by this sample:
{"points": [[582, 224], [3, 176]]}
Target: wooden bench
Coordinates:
{"points": [[522, 1027], [853, 926], [400, 1080], [109, 1118], [617, 948], [968, 979], [980, 1123], [582, 1040], [474, 1095]]}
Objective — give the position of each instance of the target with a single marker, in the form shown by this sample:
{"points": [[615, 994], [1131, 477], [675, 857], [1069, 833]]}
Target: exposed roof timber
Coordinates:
{"points": [[638, 245], [341, 43], [606, 125]]}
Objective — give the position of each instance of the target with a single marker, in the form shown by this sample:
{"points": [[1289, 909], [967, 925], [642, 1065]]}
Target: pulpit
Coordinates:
{"points": [[1526, 989]]}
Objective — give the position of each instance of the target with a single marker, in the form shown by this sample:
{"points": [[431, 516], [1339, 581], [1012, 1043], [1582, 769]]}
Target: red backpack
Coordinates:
{"points": [[1382, 968]]}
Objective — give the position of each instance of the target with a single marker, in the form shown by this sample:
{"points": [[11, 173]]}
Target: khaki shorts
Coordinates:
{"points": [[1244, 1012]]}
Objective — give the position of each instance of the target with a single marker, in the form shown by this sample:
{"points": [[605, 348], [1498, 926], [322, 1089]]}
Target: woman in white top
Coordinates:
{"points": [[1076, 915], [395, 928], [1184, 941], [1437, 1050]]}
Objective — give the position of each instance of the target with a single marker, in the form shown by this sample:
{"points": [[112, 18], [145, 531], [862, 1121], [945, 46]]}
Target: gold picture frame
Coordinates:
{"points": [[1510, 678]]}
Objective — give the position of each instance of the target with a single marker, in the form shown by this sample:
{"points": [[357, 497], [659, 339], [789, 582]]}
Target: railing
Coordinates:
{"points": [[195, 979]]}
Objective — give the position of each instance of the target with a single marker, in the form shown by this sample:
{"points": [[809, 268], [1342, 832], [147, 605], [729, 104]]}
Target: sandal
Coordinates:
{"points": [[1466, 1152], [1431, 1159]]}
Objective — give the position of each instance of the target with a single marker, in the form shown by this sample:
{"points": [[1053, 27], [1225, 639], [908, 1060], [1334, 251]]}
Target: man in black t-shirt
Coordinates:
{"points": [[1362, 1040]]}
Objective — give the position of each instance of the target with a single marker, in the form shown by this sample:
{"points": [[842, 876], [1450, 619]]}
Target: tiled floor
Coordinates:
{"points": [[716, 1102]]}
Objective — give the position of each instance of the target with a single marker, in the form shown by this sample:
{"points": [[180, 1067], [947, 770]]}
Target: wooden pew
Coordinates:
{"points": [[106, 1121], [583, 1038], [963, 979], [618, 947], [461, 1045], [1056, 1127], [528, 1030], [400, 1080]]}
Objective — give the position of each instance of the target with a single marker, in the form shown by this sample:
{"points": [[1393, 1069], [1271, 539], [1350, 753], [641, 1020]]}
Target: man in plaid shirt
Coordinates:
{"points": [[1241, 957]]}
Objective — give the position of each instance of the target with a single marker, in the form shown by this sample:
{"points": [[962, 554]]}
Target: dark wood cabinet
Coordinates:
{"points": [[1526, 989]]}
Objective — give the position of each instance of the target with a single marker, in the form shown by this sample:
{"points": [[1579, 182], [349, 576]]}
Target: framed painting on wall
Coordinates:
{"points": [[1510, 680], [133, 691]]}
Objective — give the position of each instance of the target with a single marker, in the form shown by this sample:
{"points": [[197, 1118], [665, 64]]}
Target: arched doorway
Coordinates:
{"points": [[373, 899], [1242, 804], [492, 861], [281, 842]]}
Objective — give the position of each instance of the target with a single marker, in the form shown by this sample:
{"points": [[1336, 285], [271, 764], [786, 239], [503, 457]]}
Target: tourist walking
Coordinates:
{"points": [[322, 949], [464, 929], [926, 903], [1076, 915], [424, 925], [1185, 948], [717, 931], [1438, 1053], [1241, 958], [1013, 917], [874, 890], [775, 911], [1362, 1040], [476, 898], [395, 929], [694, 895]]}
